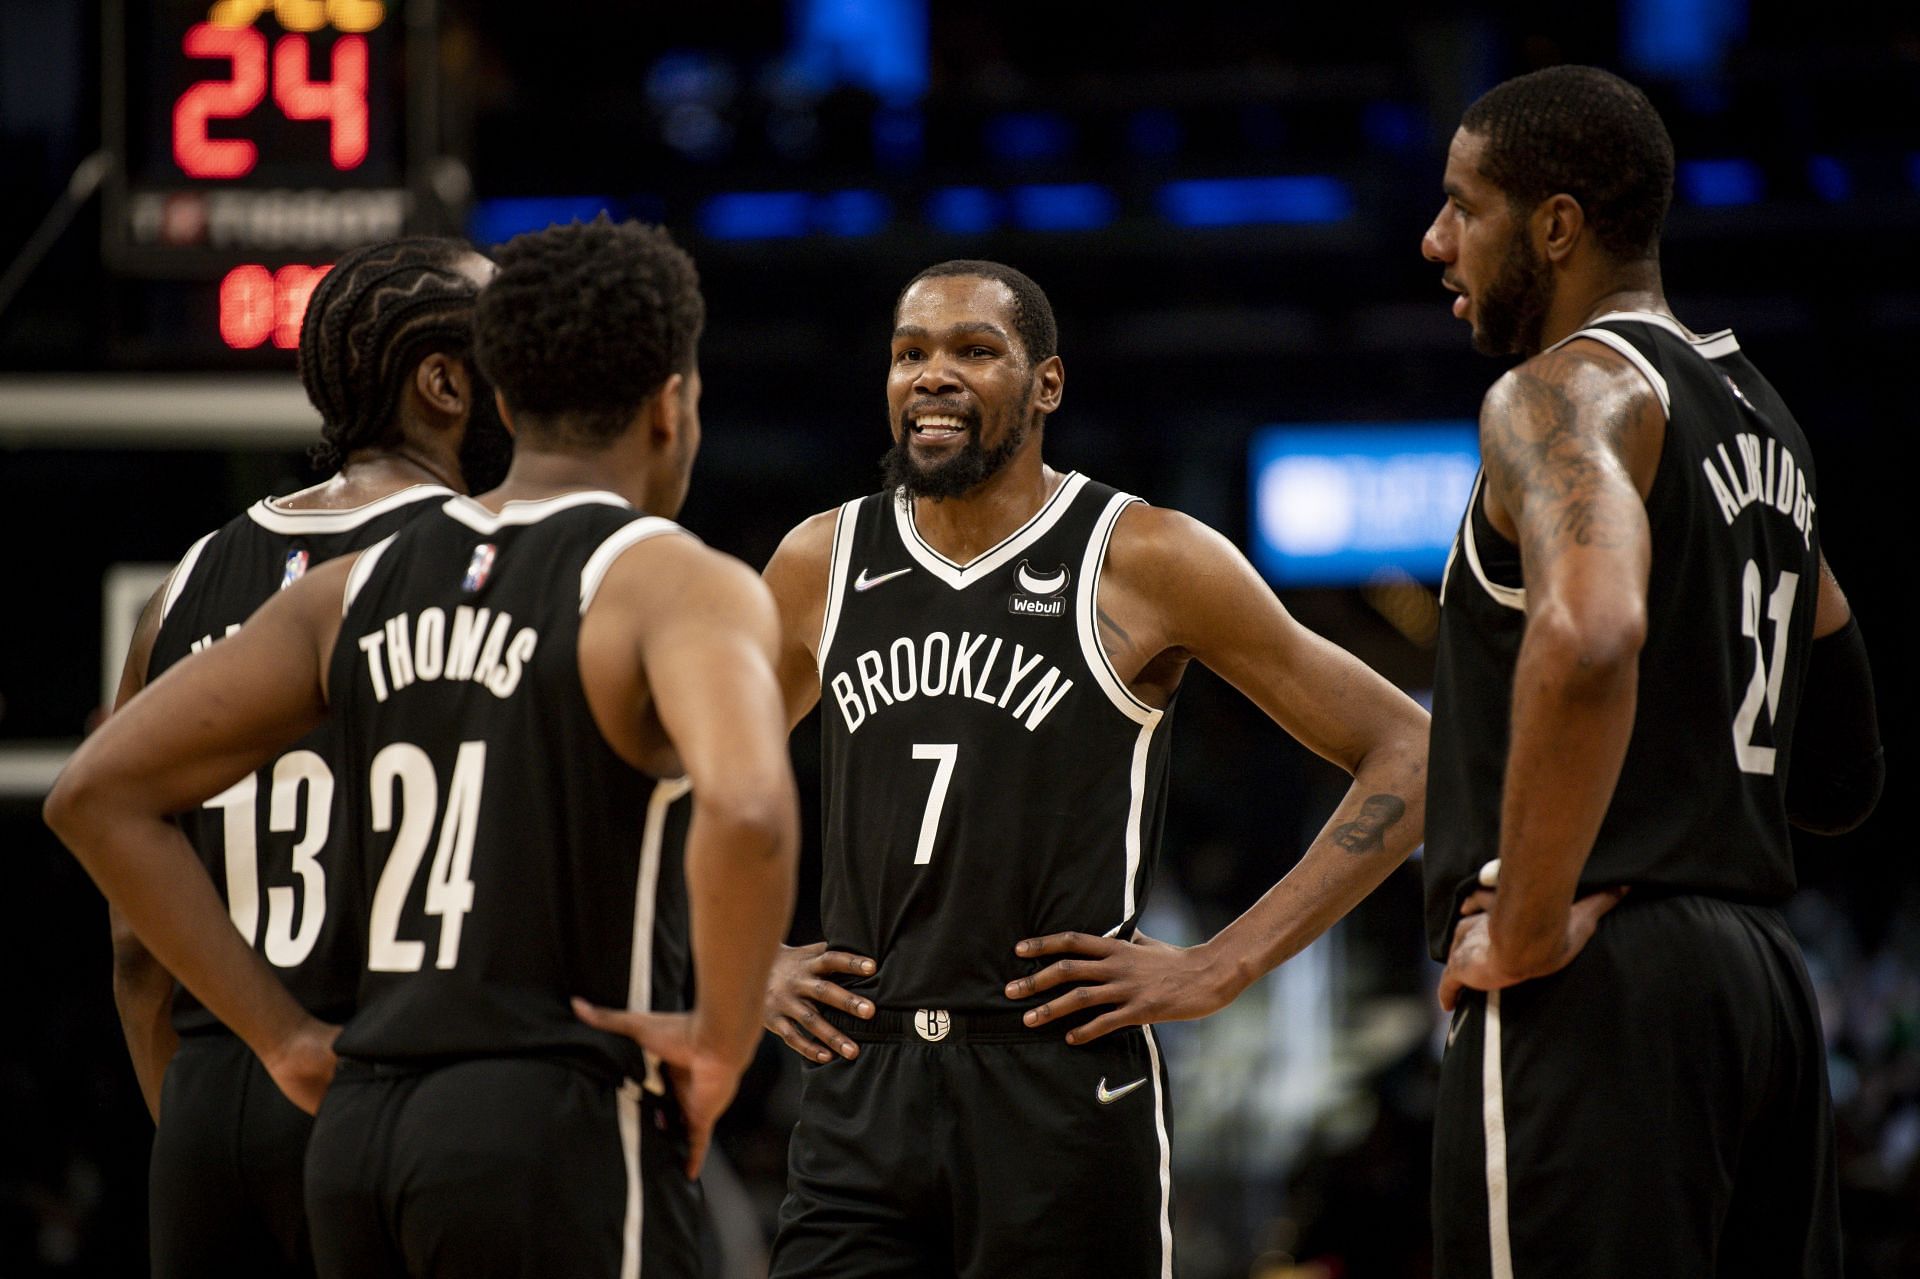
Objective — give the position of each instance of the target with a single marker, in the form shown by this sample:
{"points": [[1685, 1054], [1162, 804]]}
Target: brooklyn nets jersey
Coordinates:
{"points": [[987, 776], [511, 860], [1701, 801], [266, 840]]}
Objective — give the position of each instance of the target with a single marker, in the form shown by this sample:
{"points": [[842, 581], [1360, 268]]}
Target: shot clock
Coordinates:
{"points": [[255, 141]]}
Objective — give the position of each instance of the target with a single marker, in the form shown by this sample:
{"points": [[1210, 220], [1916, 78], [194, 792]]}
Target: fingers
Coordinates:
{"points": [[665, 1035], [1479, 903], [821, 991], [1064, 972], [1067, 944], [699, 1137], [1105, 1024], [818, 1041], [1450, 988], [840, 961], [1071, 1002]]}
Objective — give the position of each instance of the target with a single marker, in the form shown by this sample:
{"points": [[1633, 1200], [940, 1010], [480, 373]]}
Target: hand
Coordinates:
{"points": [[1472, 964], [1146, 980], [704, 1080], [302, 1063], [799, 984]]}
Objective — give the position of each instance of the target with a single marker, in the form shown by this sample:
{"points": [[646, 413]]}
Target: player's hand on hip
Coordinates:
{"points": [[302, 1064], [1144, 980], [1474, 964], [801, 981], [703, 1081]]}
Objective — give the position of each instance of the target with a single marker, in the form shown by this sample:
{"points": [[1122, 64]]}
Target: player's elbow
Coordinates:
{"points": [[1590, 645], [757, 820], [73, 807]]}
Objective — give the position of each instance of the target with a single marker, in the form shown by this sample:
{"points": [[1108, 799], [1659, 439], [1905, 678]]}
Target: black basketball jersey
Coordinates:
{"points": [[268, 841], [510, 859], [1701, 801], [987, 776]]}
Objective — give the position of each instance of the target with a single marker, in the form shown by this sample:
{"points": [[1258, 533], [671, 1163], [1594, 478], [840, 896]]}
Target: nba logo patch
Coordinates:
{"points": [[295, 570], [479, 567]]}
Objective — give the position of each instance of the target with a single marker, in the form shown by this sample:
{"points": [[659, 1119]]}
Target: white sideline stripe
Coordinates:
{"points": [[960, 576], [1512, 597], [1493, 1116], [844, 523], [627, 535], [362, 570], [182, 571], [1166, 1157], [271, 515], [627, 1107]]}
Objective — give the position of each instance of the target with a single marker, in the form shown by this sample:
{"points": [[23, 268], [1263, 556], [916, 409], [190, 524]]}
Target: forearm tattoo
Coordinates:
{"points": [[1367, 832]]}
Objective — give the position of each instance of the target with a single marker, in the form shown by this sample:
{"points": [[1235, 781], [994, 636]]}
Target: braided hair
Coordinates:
{"points": [[371, 319], [1032, 313], [1589, 134]]}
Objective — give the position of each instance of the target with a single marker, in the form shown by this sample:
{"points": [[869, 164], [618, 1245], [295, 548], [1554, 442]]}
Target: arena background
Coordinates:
{"points": [[1225, 204]]}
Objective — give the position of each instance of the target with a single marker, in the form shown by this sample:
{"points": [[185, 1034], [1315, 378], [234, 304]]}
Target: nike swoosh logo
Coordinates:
{"points": [[865, 583], [1453, 1031], [1105, 1098], [1039, 585]]}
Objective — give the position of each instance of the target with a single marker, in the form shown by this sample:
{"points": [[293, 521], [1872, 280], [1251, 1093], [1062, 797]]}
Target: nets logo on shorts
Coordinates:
{"points": [[295, 570], [480, 567], [1039, 594]]}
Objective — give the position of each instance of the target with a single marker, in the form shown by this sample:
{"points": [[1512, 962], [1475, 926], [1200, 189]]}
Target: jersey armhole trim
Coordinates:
{"points": [[362, 570], [626, 536], [1608, 338], [1086, 613], [1511, 596], [177, 581], [845, 521]]}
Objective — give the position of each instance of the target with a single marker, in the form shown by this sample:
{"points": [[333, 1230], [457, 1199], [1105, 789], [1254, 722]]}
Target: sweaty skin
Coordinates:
{"points": [[1173, 591]]}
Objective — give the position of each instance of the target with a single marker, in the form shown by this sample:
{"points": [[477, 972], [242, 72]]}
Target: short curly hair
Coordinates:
{"points": [[371, 319], [1032, 313], [585, 322], [1589, 134]]}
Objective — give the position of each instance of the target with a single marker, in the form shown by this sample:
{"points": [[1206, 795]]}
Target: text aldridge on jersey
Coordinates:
{"points": [[403, 651], [939, 666]]}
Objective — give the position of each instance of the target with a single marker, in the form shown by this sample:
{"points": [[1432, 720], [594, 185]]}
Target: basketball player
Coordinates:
{"points": [[524, 686], [998, 646], [1639, 636], [386, 358]]}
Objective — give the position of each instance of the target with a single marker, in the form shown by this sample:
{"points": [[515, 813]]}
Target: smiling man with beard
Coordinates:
{"points": [[1638, 632], [998, 647]]}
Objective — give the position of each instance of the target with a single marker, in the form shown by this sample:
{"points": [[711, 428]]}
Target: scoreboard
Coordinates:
{"points": [[255, 140]]}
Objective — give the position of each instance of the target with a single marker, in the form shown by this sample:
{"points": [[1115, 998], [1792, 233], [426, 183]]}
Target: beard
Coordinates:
{"points": [[960, 474], [1512, 309], [486, 451]]}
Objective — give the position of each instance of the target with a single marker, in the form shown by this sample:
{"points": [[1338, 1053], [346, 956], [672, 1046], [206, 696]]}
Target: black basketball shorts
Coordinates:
{"points": [[495, 1167], [975, 1147], [1657, 1108], [224, 1183]]}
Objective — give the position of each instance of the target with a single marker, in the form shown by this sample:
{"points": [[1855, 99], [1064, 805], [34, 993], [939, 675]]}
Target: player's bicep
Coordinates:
{"points": [[224, 711], [797, 576]]}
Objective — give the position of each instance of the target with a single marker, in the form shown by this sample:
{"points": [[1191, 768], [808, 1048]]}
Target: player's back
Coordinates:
{"points": [[267, 840], [1701, 801], [512, 860]]}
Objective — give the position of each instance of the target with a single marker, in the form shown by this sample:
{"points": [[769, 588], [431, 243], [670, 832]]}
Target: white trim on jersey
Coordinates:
{"points": [[845, 520], [1511, 596], [1166, 1156], [1086, 616], [1712, 346], [627, 1108], [271, 515], [640, 999], [1608, 338], [961, 576], [362, 570], [627, 535], [181, 571], [481, 520], [1493, 1118]]}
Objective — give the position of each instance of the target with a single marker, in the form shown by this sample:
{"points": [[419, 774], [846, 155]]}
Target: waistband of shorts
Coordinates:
{"points": [[357, 1069], [940, 1026]]}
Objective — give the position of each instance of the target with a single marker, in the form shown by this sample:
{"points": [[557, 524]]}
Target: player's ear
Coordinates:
{"points": [[1049, 384], [666, 412], [443, 383], [506, 417], [1558, 222]]}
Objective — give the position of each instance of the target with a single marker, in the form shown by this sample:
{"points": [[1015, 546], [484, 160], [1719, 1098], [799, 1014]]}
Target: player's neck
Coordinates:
{"points": [[966, 527], [1578, 302], [371, 474], [539, 473]]}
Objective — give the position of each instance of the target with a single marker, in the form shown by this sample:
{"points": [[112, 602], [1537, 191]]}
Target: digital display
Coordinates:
{"points": [[257, 140], [1334, 504]]}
